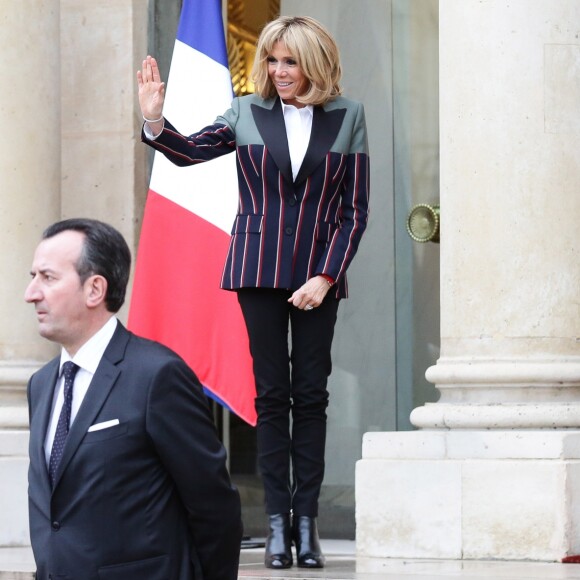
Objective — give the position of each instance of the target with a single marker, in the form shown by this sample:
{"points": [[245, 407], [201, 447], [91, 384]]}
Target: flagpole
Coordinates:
{"points": [[226, 438]]}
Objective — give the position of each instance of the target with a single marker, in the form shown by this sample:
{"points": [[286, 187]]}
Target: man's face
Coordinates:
{"points": [[56, 290]]}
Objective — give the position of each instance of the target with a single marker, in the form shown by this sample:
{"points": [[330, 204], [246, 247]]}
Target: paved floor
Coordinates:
{"points": [[17, 564], [342, 565]]}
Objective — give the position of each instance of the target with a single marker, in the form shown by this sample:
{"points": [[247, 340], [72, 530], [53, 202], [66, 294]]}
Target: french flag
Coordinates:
{"points": [[189, 213]]}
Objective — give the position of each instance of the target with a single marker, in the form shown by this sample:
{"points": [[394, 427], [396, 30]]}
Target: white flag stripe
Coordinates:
{"points": [[208, 190], [198, 89], [202, 92]]}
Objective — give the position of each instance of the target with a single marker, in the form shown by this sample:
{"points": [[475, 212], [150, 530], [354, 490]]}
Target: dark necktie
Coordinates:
{"points": [[69, 371]]}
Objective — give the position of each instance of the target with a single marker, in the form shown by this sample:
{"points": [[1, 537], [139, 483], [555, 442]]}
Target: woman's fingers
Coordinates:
{"points": [[149, 72], [311, 294], [156, 76], [151, 89]]}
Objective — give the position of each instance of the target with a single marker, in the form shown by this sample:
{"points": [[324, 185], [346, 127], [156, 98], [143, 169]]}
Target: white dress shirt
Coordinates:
{"points": [[298, 129], [87, 358]]}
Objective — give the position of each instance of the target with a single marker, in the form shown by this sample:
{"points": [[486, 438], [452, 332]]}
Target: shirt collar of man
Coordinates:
{"points": [[89, 355]]}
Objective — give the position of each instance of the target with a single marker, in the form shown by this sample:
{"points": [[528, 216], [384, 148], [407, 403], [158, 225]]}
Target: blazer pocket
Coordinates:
{"points": [[109, 433], [248, 224], [325, 231], [150, 569]]}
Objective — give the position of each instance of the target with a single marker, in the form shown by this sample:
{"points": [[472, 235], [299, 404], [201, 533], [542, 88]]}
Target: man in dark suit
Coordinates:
{"points": [[127, 479]]}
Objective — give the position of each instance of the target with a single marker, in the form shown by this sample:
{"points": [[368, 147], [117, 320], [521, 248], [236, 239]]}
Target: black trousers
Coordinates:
{"points": [[290, 382]]}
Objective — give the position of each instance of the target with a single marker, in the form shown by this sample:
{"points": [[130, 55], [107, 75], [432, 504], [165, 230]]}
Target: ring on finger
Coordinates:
{"points": [[308, 307]]}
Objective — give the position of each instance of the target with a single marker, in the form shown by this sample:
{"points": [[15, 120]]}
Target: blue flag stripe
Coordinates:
{"points": [[213, 396], [201, 27]]}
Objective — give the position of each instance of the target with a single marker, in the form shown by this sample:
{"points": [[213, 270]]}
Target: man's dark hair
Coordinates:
{"points": [[105, 253]]}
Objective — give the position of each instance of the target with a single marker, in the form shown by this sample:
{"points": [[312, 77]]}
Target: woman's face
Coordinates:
{"points": [[286, 75]]}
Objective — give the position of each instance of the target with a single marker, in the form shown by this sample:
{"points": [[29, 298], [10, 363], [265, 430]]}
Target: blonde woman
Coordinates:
{"points": [[303, 176]]}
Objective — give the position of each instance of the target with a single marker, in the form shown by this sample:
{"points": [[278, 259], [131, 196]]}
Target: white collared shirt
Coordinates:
{"points": [[87, 358], [298, 129]]}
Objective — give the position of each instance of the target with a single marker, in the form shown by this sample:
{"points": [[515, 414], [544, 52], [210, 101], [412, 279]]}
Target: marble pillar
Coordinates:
{"points": [[494, 471], [30, 169]]}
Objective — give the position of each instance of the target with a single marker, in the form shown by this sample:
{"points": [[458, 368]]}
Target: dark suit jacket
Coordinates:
{"points": [[286, 230], [147, 499]]}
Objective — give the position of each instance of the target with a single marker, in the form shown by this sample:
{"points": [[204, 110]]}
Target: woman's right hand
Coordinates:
{"points": [[151, 92]]}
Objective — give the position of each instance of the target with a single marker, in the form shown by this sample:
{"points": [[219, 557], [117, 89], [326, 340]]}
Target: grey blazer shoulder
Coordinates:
{"points": [[352, 137]]}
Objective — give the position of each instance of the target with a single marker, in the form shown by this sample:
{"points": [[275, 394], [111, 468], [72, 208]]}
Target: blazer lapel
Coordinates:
{"points": [[103, 381], [270, 124], [45, 409], [325, 128]]}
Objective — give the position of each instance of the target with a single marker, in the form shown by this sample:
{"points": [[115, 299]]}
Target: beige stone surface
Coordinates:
{"points": [[508, 186], [14, 501], [509, 495], [504, 433], [510, 272], [469, 444], [71, 68], [562, 88], [104, 163], [29, 159], [408, 509], [514, 510]]}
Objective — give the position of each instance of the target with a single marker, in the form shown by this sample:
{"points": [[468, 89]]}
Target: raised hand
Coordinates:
{"points": [[151, 91]]}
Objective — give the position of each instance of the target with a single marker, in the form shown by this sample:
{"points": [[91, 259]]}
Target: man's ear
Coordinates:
{"points": [[95, 290]]}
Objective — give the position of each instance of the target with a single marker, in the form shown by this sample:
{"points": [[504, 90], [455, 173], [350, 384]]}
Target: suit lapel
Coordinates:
{"points": [[44, 405], [103, 381], [325, 128], [270, 124]]}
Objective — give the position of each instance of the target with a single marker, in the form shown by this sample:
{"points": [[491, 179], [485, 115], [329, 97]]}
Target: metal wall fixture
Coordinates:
{"points": [[423, 223]]}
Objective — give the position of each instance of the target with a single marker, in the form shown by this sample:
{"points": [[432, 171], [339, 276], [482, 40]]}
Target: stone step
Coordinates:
{"points": [[16, 564]]}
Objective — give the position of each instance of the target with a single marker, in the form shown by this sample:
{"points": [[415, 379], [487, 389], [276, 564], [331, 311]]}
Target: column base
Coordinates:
{"points": [[504, 495]]}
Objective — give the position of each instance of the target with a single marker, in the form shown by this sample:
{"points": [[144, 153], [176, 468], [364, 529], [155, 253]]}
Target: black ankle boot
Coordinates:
{"points": [[279, 542], [305, 534]]}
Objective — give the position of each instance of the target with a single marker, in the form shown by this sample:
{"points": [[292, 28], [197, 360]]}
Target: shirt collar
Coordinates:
{"points": [[89, 355], [307, 110]]}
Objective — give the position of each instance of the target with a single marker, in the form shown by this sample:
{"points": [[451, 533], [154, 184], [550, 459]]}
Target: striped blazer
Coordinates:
{"points": [[286, 230]]}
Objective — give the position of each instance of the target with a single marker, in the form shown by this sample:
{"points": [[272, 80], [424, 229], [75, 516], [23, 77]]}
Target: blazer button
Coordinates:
{"points": [[291, 202], [289, 231], [56, 526]]}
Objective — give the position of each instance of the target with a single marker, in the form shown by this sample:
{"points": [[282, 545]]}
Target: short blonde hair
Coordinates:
{"points": [[315, 52]]}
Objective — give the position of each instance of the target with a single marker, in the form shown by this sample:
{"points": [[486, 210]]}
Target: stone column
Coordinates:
{"points": [[510, 257], [30, 169], [494, 472]]}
